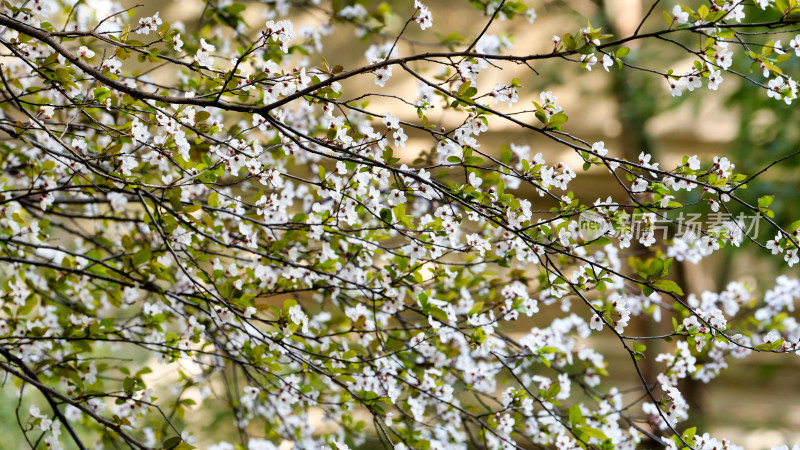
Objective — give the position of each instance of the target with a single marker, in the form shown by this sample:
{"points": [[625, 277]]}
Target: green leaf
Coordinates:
{"points": [[667, 267], [575, 415], [668, 286], [128, 384], [557, 120], [172, 443], [213, 199], [668, 18], [570, 41], [142, 256], [175, 199], [322, 170], [399, 211], [201, 116], [287, 304], [476, 308], [386, 215], [656, 268], [593, 432], [101, 93], [438, 314], [463, 88], [192, 208], [505, 155], [603, 241], [553, 390]]}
